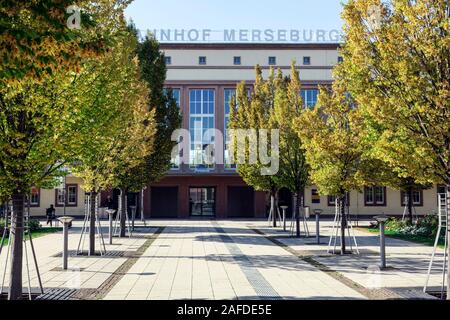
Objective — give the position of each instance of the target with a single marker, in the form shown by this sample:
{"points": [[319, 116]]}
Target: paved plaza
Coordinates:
{"points": [[207, 259]]}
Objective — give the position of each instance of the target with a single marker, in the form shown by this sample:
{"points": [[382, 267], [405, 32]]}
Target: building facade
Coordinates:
{"points": [[203, 78]]}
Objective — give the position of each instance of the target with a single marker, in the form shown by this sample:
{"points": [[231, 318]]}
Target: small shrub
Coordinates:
{"points": [[34, 225], [426, 226]]}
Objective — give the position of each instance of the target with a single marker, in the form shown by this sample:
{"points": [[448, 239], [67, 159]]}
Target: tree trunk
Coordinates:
{"points": [[342, 204], [93, 198], [299, 203], [448, 237], [273, 207], [409, 204], [123, 217], [16, 236]]}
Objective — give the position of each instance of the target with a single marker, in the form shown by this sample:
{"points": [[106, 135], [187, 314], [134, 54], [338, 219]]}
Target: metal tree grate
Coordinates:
{"points": [[58, 294], [108, 254]]}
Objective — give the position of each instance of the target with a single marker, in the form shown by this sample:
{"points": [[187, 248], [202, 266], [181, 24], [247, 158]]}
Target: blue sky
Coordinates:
{"points": [[237, 14]]}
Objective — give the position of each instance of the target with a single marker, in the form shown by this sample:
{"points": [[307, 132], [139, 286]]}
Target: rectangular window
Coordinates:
{"points": [[306, 61], [315, 197], [272, 61], [202, 60], [70, 196], [332, 200], [417, 198], [441, 189], [176, 94], [237, 61], [201, 126], [35, 197], [59, 196], [168, 60], [375, 196], [309, 97], [228, 95]]}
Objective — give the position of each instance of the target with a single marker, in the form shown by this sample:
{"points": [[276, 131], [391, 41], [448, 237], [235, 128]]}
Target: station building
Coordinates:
{"points": [[203, 77]]}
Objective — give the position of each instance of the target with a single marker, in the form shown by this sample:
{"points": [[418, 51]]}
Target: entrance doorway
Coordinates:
{"points": [[202, 202]]}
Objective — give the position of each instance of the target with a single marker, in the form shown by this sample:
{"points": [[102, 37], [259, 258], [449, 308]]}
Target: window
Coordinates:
{"points": [[228, 95], [71, 193], [441, 189], [332, 200], [201, 126], [59, 196], [237, 61], [315, 197], [375, 196], [176, 94], [340, 59], [272, 61], [202, 60], [168, 60], [417, 198], [35, 197], [309, 97], [306, 61]]}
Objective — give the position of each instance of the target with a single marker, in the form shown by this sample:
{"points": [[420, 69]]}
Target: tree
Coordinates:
{"points": [[113, 124], [253, 113], [398, 69], [38, 54], [36, 42], [293, 173], [333, 137], [167, 119], [167, 112]]}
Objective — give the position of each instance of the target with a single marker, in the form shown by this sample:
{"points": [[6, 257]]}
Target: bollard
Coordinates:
{"points": [[133, 216], [110, 213], [65, 222], [284, 216], [317, 213], [382, 220]]}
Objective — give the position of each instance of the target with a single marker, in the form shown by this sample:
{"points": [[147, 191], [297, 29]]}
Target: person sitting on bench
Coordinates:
{"points": [[51, 215]]}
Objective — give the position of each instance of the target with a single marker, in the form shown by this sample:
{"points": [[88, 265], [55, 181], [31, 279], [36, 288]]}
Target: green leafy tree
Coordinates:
{"points": [[398, 69], [333, 135], [167, 112], [293, 171], [38, 51], [254, 113], [114, 126]]}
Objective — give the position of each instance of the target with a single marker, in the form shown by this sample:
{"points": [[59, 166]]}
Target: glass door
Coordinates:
{"points": [[202, 202]]}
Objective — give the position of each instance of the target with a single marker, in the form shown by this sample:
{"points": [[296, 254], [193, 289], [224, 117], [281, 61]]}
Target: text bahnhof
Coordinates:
{"points": [[247, 35]]}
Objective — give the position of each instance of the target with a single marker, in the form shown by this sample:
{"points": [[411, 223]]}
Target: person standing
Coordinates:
{"points": [[51, 215]]}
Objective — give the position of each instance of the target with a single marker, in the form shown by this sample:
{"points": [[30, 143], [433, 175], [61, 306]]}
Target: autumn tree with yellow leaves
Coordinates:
{"points": [[337, 151], [396, 64]]}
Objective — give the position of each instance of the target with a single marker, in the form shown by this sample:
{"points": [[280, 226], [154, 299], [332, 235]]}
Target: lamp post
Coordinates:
{"points": [[110, 213], [382, 221], [65, 222]]}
